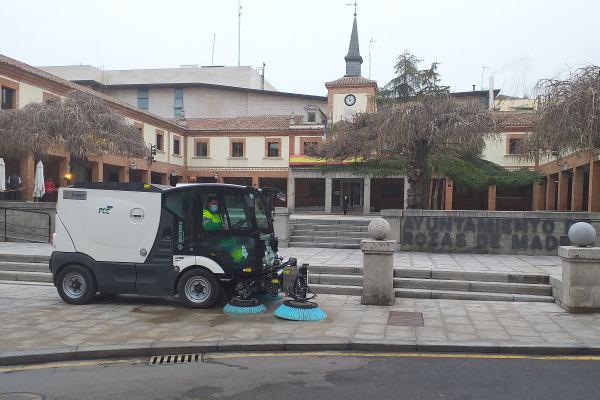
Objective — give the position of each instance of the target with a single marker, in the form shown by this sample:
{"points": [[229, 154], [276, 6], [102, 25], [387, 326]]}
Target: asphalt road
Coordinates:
{"points": [[330, 377]]}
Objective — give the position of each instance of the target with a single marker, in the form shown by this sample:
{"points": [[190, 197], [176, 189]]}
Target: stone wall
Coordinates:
{"points": [[24, 225], [493, 232]]}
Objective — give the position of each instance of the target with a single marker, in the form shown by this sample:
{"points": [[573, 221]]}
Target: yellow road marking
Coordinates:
{"points": [[67, 364], [216, 356]]}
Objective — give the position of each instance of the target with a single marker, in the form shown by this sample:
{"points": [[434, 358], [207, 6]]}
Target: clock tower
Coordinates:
{"points": [[352, 94]]}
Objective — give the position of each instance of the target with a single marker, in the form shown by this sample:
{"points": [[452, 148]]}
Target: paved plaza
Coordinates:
{"points": [[35, 317]]}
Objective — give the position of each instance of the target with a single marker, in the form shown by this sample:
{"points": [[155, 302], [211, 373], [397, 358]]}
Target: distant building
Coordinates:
{"points": [[191, 92]]}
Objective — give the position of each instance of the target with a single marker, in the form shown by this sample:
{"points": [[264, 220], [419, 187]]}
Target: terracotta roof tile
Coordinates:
{"points": [[256, 123], [351, 81], [507, 119]]}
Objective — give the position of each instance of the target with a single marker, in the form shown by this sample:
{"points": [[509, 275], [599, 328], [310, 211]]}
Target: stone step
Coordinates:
{"points": [[339, 221], [319, 228], [439, 284], [24, 258], [324, 239], [325, 245], [434, 294], [23, 266], [5, 282], [341, 233], [26, 276], [439, 274]]}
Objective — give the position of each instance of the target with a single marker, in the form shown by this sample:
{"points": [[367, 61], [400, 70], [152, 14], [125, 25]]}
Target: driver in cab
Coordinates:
{"points": [[212, 220]]}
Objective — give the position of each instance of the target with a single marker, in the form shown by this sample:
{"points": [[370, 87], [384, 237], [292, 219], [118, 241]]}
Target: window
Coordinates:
{"points": [[273, 149], [237, 149], [312, 116], [514, 145], [178, 103], [202, 148], [160, 143], [176, 149], [142, 98], [8, 98], [236, 210], [49, 97]]}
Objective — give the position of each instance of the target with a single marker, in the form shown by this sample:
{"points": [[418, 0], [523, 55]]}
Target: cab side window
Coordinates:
{"points": [[182, 205], [237, 211]]}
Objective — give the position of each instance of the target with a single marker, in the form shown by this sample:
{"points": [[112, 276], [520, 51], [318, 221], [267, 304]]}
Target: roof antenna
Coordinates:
{"points": [[370, 43], [239, 29], [212, 57], [355, 6]]}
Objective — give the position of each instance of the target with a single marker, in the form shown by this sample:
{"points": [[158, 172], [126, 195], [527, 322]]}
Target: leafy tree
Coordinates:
{"points": [[411, 81], [81, 123]]}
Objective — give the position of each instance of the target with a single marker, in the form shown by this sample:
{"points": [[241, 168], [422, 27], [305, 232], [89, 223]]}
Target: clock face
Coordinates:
{"points": [[350, 100]]}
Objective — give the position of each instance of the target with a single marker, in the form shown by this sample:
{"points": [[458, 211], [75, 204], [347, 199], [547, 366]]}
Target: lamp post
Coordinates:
{"points": [[217, 177]]}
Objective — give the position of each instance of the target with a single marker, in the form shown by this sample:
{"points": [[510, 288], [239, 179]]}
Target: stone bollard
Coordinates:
{"points": [[378, 265], [281, 225], [394, 217], [580, 288]]}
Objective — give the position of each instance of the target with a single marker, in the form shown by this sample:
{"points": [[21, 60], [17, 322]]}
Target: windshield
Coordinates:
{"points": [[262, 217]]}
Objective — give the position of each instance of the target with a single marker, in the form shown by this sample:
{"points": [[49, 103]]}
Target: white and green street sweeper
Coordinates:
{"points": [[196, 242]]}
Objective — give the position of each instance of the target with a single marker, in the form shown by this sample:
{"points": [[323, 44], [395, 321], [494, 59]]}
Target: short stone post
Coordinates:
{"points": [[580, 288], [378, 265], [281, 225]]}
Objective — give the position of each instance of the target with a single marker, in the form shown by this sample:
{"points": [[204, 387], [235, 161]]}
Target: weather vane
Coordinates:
{"points": [[353, 4]]}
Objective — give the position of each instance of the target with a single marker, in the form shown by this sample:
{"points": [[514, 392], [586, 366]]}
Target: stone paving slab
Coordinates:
{"points": [[34, 317]]}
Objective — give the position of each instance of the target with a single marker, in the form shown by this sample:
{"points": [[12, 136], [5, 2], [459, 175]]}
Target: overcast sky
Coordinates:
{"points": [[303, 42]]}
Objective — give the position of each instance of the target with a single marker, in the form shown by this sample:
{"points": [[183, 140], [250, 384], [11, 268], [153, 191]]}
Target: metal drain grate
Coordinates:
{"points": [[402, 318], [175, 359]]}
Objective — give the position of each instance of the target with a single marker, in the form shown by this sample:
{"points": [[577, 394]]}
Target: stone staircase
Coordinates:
{"points": [[24, 269], [438, 284], [342, 233], [347, 280]]}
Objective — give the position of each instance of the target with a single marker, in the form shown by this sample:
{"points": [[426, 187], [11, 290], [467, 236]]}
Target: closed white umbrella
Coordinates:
{"points": [[38, 187], [2, 175]]}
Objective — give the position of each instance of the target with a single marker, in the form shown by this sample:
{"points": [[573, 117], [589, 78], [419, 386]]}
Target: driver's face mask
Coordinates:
{"points": [[214, 208]]}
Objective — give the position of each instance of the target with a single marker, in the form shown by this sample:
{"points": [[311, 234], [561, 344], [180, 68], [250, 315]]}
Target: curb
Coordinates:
{"points": [[83, 352]]}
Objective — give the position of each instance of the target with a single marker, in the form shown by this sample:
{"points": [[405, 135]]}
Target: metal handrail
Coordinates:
{"points": [[5, 221]]}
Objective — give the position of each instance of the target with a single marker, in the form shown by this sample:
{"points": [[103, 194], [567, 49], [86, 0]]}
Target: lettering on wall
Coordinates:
{"points": [[484, 234]]}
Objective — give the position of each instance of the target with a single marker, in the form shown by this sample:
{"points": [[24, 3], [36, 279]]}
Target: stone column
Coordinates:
{"points": [[27, 173], [594, 186], [378, 265], [124, 174], [281, 225], [146, 176], [577, 189], [449, 191], [492, 198], [538, 196], [63, 169], [580, 288], [563, 191], [550, 192], [405, 193], [367, 195], [291, 192], [98, 171], [255, 181], [328, 189]]}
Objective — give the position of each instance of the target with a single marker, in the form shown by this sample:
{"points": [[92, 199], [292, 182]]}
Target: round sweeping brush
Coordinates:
{"points": [[300, 311], [239, 306]]}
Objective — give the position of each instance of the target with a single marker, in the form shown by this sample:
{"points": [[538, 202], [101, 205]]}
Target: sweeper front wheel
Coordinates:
{"points": [[198, 288]]}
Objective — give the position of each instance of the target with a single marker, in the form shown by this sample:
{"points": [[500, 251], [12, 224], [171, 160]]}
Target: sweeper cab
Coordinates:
{"points": [[147, 239]]}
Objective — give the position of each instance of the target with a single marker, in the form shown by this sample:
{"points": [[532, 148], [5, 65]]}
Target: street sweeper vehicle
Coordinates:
{"points": [[195, 242]]}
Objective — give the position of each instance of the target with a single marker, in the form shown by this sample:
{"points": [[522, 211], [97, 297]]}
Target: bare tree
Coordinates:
{"points": [[569, 119], [81, 123], [429, 126]]}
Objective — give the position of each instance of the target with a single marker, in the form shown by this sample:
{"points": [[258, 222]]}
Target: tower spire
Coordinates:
{"points": [[353, 58]]}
